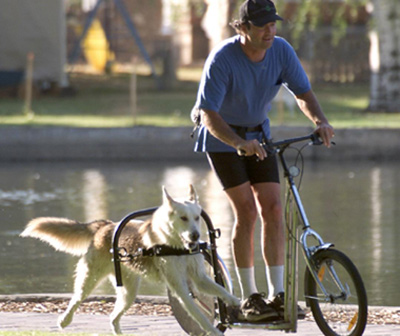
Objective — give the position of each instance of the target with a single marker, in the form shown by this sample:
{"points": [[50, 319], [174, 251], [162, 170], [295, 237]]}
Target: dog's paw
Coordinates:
{"points": [[116, 329], [215, 332], [64, 321]]}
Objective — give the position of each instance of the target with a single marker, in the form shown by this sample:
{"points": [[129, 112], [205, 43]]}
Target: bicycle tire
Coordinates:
{"points": [[207, 304], [346, 312]]}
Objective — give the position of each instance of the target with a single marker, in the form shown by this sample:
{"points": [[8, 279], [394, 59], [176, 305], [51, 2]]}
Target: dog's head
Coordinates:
{"points": [[177, 222]]}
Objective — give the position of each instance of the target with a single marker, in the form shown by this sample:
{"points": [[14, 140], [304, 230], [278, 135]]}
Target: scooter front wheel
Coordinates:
{"points": [[339, 306]]}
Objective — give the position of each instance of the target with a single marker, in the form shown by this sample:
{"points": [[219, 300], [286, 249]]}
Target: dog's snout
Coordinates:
{"points": [[194, 236]]}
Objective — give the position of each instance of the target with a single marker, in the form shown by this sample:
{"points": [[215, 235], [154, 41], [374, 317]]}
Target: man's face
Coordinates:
{"points": [[262, 37]]}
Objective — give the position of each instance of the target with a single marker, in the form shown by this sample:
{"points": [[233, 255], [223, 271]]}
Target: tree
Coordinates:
{"points": [[385, 56], [384, 39]]}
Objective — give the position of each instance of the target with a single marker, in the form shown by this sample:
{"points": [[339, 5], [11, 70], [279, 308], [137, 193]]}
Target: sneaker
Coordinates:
{"points": [[279, 304], [255, 309]]}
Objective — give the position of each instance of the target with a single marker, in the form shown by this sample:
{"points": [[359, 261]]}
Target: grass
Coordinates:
{"points": [[345, 106], [104, 101]]}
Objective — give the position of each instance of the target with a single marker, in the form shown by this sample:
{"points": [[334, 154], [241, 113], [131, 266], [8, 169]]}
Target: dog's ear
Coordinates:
{"points": [[192, 195], [167, 199]]}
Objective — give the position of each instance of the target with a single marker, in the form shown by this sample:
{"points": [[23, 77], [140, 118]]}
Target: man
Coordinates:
{"points": [[241, 77]]}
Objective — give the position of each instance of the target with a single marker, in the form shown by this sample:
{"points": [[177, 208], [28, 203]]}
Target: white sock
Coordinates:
{"points": [[275, 280], [247, 281]]}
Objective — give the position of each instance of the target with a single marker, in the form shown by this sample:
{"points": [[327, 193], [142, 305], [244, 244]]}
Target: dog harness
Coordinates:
{"points": [[161, 251]]}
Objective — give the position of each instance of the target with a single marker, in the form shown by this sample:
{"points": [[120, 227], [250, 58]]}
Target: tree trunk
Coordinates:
{"points": [[385, 56], [215, 22]]}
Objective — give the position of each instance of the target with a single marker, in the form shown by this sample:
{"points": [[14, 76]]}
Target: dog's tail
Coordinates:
{"points": [[63, 234]]}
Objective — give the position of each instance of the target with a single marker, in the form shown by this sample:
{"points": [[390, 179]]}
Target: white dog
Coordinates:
{"points": [[174, 223]]}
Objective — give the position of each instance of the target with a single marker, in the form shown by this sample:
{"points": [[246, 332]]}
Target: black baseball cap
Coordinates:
{"points": [[258, 12]]}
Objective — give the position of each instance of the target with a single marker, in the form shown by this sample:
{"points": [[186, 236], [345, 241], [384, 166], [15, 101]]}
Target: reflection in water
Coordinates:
{"points": [[354, 206], [177, 179], [26, 197], [376, 226], [218, 208], [93, 193], [376, 216]]}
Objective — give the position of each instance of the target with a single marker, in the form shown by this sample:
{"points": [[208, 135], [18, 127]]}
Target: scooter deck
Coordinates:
{"points": [[272, 325]]}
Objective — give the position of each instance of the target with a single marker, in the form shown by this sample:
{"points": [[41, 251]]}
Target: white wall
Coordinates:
{"points": [[38, 26]]}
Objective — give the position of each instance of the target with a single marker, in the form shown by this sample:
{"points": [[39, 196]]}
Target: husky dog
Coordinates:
{"points": [[174, 224]]}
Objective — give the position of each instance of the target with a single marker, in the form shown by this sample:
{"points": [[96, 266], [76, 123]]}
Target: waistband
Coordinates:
{"points": [[241, 129]]}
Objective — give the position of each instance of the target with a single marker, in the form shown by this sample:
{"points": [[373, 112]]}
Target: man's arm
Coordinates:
{"points": [[223, 132], [309, 105]]}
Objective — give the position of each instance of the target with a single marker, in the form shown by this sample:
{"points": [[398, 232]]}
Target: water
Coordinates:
{"points": [[354, 205]]}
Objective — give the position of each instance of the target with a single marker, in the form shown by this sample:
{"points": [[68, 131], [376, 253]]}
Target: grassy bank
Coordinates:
{"points": [[104, 101]]}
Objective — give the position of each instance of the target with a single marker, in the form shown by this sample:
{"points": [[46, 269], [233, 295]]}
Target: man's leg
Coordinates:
{"points": [[245, 212], [268, 196], [233, 174], [269, 201], [253, 307]]}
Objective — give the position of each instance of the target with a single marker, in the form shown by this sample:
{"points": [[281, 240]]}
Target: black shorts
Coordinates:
{"points": [[233, 170]]}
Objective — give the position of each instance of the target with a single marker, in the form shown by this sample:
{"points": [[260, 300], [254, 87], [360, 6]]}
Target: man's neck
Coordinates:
{"points": [[254, 54]]}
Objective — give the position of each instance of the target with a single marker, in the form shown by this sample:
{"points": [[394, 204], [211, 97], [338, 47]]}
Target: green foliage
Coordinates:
{"points": [[308, 16], [198, 6]]}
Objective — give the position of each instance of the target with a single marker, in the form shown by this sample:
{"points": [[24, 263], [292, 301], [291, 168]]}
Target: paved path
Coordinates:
{"points": [[150, 326], [145, 325]]}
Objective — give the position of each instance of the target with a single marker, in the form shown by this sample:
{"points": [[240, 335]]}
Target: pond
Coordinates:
{"points": [[352, 204]]}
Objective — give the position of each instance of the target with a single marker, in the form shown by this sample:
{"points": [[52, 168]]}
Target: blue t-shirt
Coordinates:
{"points": [[241, 91]]}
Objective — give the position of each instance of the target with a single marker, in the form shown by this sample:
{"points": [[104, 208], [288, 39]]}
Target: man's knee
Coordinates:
{"points": [[273, 213], [246, 212]]}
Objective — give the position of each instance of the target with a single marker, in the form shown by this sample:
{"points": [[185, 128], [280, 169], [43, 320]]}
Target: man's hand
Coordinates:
{"points": [[222, 131], [250, 148], [325, 132]]}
